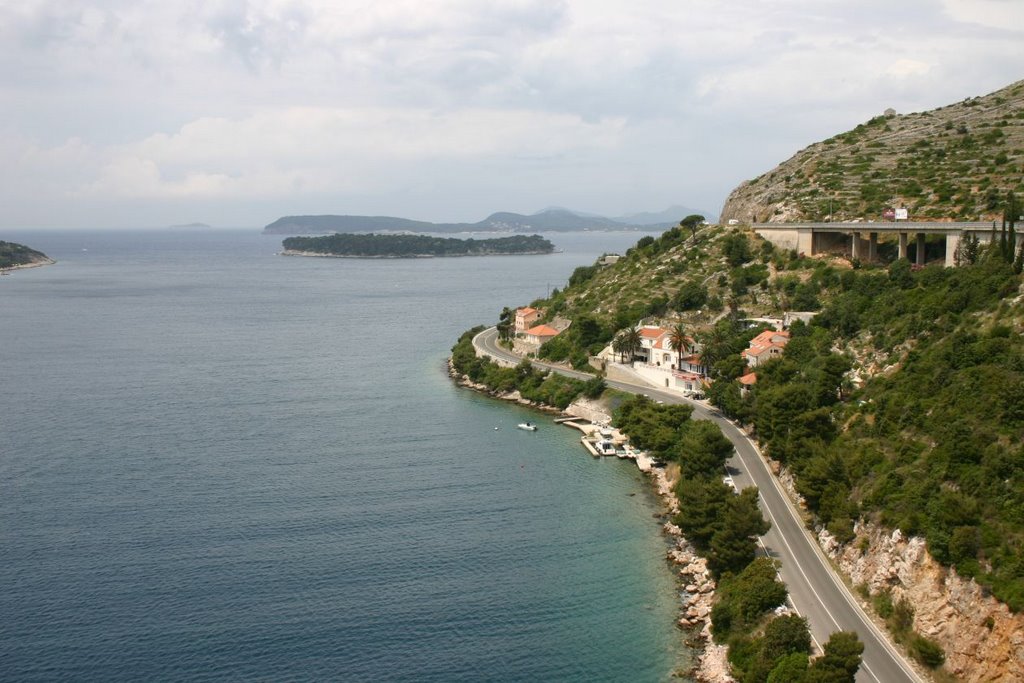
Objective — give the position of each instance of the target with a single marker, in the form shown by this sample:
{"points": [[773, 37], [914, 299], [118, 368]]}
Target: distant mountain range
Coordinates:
{"points": [[549, 220]]}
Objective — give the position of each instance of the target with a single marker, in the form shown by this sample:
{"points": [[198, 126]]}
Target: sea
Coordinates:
{"points": [[222, 464]]}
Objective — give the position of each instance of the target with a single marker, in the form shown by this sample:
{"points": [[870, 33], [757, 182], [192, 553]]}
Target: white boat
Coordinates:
{"points": [[528, 426]]}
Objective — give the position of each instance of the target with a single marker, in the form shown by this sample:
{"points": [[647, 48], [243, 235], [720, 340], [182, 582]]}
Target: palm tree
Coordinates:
{"points": [[631, 342], [677, 340], [619, 345], [715, 347]]}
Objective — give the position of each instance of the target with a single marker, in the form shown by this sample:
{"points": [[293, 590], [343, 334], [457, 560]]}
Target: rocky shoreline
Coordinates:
{"points": [[22, 266], [697, 586]]}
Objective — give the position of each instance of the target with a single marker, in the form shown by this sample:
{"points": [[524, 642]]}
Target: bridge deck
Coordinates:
{"points": [[935, 227]]}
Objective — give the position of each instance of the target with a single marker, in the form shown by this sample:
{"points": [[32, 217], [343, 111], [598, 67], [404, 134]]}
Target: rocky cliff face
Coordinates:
{"points": [[983, 640], [952, 163]]}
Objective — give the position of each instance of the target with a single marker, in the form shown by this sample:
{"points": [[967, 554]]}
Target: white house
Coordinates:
{"points": [[663, 365], [649, 337]]}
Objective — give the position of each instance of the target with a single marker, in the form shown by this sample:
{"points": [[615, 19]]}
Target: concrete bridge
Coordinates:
{"points": [[860, 240]]}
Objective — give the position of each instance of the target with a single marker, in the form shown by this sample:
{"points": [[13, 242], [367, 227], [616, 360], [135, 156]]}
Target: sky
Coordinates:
{"points": [[236, 112]]}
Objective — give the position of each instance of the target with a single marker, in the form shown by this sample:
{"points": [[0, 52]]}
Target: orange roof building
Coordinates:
{"points": [[541, 333], [525, 317], [765, 346]]}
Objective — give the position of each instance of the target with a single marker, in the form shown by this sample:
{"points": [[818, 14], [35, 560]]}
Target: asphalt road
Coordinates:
{"points": [[814, 588]]}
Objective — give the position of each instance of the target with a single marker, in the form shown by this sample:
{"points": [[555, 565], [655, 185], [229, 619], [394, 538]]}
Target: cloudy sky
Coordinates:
{"points": [[234, 112]]}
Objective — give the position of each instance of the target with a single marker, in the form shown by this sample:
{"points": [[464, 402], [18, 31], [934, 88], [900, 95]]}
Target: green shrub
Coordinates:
{"points": [[928, 652]]}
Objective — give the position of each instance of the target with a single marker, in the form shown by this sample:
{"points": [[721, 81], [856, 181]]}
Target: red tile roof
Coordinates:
{"points": [[543, 331], [748, 379], [769, 339], [652, 332]]}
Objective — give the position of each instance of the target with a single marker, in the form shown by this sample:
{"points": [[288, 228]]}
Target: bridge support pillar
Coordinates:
{"points": [[855, 245], [805, 241], [919, 255], [903, 245], [952, 244], [873, 247]]}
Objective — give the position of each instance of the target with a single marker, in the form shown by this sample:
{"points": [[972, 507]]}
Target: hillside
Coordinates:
{"points": [[14, 255], [952, 163], [901, 404], [549, 220]]}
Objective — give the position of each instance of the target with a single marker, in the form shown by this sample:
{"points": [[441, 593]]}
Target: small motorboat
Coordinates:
{"points": [[528, 426]]}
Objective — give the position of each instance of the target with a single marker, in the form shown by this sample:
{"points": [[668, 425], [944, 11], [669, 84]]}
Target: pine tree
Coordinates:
{"points": [[734, 545], [841, 660]]}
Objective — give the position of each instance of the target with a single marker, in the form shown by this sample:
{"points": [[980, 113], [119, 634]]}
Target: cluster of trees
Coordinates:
{"points": [[380, 246], [535, 385], [775, 649], [13, 254], [724, 527], [585, 337]]}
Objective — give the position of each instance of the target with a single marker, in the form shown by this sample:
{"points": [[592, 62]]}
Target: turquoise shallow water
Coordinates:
{"points": [[222, 464]]}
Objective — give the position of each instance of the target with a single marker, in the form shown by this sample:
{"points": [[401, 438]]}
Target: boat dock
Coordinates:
{"points": [[604, 440]]}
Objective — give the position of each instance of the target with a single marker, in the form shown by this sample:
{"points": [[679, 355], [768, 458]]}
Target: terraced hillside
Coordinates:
{"points": [[952, 163]]}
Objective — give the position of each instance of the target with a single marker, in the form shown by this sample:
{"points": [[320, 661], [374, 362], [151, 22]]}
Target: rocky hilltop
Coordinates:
{"points": [[952, 163]]}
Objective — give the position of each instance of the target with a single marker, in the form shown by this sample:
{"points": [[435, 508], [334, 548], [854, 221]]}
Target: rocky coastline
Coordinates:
{"points": [[697, 587], [23, 266]]}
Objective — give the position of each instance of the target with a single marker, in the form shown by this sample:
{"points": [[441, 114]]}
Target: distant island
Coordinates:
{"points": [[13, 256], [190, 226], [549, 220], [412, 246]]}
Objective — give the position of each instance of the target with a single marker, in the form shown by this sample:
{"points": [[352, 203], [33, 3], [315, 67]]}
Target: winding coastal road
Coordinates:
{"points": [[814, 588]]}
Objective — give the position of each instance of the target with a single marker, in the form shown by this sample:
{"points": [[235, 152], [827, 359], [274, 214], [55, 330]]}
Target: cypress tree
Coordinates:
{"points": [[1012, 240]]}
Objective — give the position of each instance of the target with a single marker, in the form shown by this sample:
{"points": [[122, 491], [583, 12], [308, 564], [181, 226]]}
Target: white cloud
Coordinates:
{"points": [[626, 104], [310, 150], [998, 14]]}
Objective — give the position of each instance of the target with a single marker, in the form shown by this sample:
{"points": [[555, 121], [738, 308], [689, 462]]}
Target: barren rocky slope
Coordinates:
{"points": [[983, 640]]}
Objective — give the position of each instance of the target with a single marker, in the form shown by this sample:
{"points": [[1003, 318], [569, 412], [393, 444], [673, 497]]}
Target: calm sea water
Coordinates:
{"points": [[221, 464]]}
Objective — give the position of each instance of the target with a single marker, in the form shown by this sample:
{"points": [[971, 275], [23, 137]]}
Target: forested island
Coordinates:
{"points": [[14, 255], [412, 246]]}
